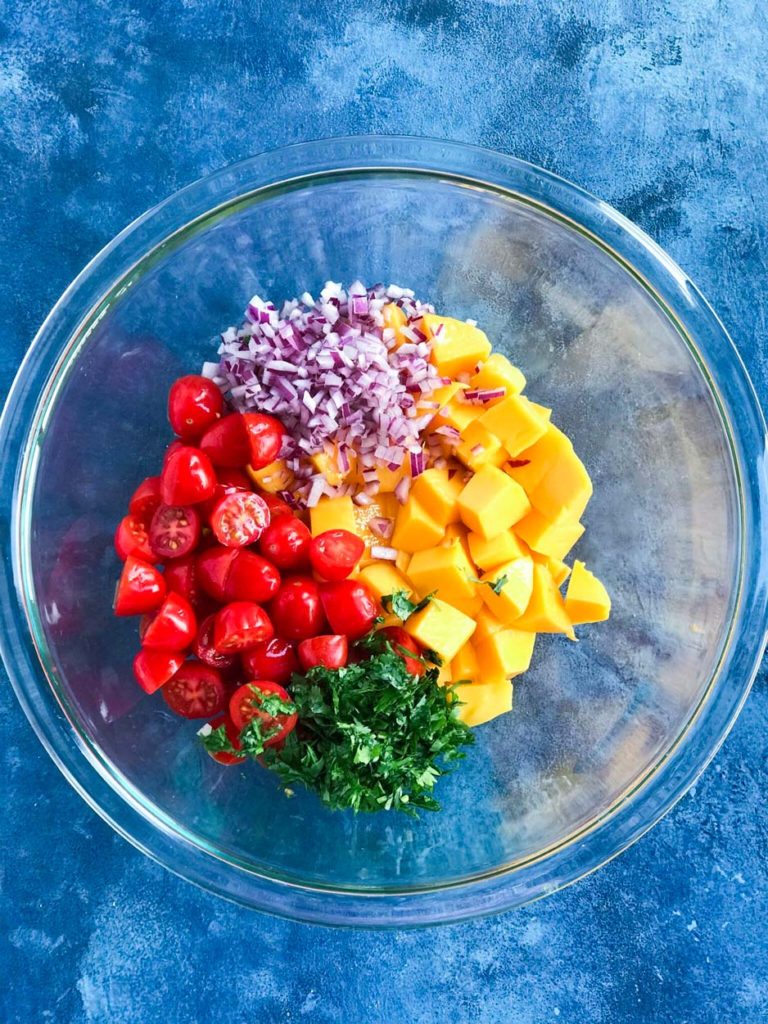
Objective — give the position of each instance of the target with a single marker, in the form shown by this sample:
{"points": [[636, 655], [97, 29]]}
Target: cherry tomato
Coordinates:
{"points": [[251, 578], [223, 756], [174, 446], [240, 625], [402, 642], [228, 480], [146, 497], [213, 569], [286, 543], [172, 627], [274, 659], [205, 650], [277, 507], [194, 403], [196, 691], [349, 606], [180, 577], [265, 437], [174, 531], [140, 588], [297, 611], [153, 669], [335, 553], [132, 538], [329, 651], [244, 706], [187, 478], [239, 519], [226, 442]]}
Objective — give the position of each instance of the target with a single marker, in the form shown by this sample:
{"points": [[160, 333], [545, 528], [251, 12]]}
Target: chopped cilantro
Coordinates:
{"points": [[496, 585], [217, 741], [400, 604]]}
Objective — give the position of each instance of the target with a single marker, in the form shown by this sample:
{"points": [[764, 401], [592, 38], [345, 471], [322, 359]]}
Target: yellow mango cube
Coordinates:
{"points": [[401, 562], [559, 570], [272, 478], [457, 531], [488, 552], [385, 578], [447, 570], [507, 653], [443, 396], [457, 414], [546, 537], [564, 490], [415, 528], [586, 599], [537, 459], [479, 447], [442, 628], [457, 347], [333, 514], [439, 494], [498, 372], [546, 611], [394, 320], [515, 422], [487, 625], [491, 502], [514, 593], [327, 462], [542, 410], [464, 666], [483, 701]]}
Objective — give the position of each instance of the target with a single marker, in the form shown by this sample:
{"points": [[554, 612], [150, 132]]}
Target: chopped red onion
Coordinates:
{"points": [[384, 553], [382, 526]]}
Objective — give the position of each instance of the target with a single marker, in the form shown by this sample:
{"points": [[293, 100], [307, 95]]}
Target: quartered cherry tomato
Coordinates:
{"points": [[273, 659], [403, 642], [244, 706], [251, 578], [265, 437], [196, 691], [240, 625], [172, 627], [187, 478], [349, 606], [239, 519], [205, 650], [153, 669], [330, 651], [194, 403], [174, 531], [335, 553], [146, 497], [213, 568], [132, 538], [226, 442], [224, 756], [286, 542], [141, 588], [277, 507], [181, 577], [296, 611]]}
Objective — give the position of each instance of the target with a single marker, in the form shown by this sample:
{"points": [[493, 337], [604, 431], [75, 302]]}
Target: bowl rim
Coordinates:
{"points": [[87, 298]]}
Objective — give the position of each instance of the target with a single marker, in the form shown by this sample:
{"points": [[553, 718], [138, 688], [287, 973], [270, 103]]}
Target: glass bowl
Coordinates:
{"points": [[606, 733]]}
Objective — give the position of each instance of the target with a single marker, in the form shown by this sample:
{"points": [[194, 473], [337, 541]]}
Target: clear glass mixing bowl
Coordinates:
{"points": [[606, 733]]}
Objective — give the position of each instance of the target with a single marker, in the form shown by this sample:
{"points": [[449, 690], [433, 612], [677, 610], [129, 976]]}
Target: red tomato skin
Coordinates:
{"points": [[350, 607], [277, 507], [196, 691], [297, 611], [141, 588], [265, 437], [153, 669], [205, 650], [174, 531], [194, 403], [169, 451], [228, 480], [273, 659], [286, 543], [213, 566], [251, 578], [188, 477], [398, 638], [180, 576], [243, 707], [145, 498], [226, 442], [223, 756], [240, 625], [172, 627], [335, 553], [330, 651], [239, 519], [132, 538]]}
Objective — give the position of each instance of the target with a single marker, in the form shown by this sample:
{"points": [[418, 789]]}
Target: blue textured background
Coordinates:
{"points": [[660, 108]]}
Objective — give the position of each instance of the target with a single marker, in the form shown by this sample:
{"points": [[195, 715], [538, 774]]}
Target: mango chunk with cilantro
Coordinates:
{"points": [[415, 528], [483, 701], [446, 570], [546, 537], [491, 502], [546, 612], [479, 447], [439, 494], [457, 347], [498, 372], [515, 422], [465, 665], [507, 653], [586, 599], [333, 514], [385, 578], [488, 552], [441, 628], [507, 590], [272, 478]]}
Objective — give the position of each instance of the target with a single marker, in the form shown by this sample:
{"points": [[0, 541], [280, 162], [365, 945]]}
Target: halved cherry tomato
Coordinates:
{"points": [[196, 691], [181, 577], [330, 651], [194, 403], [228, 480], [174, 531], [335, 553], [187, 478], [153, 669], [174, 446], [251, 578], [244, 706], [265, 437], [240, 625], [277, 507], [296, 611], [223, 756], [239, 519], [349, 606], [402, 642], [226, 442], [146, 497], [213, 568], [132, 538], [205, 650], [274, 659], [172, 627], [140, 588], [286, 542]]}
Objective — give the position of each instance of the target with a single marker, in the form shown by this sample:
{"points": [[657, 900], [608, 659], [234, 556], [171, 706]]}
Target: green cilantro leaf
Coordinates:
{"points": [[400, 604], [217, 742], [496, 585]]}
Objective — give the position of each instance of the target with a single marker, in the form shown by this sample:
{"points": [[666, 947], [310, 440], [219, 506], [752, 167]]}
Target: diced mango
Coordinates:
{"points": [[457, 347], [548, 538], [507, 653], [445, 675], [457, 414], [483, 701], [439, 494], [465, 666], [487, 553], [487, 625], [385, 578], [333, 514], [272, 478], [560, 571], [586, 599], [514, 593], [394, 320], [538, 458], [442, 628], [479, 447], [328, 463], [564, 490], [447, 570], [491, 502], [546, 610], [498, 372], [457, 531], [444, 396], [515, 422], [415, 528], [401, 562], [389, 478]]}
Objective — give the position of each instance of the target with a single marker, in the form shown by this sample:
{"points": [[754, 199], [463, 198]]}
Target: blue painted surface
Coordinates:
{"points": [[105, 108]]}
